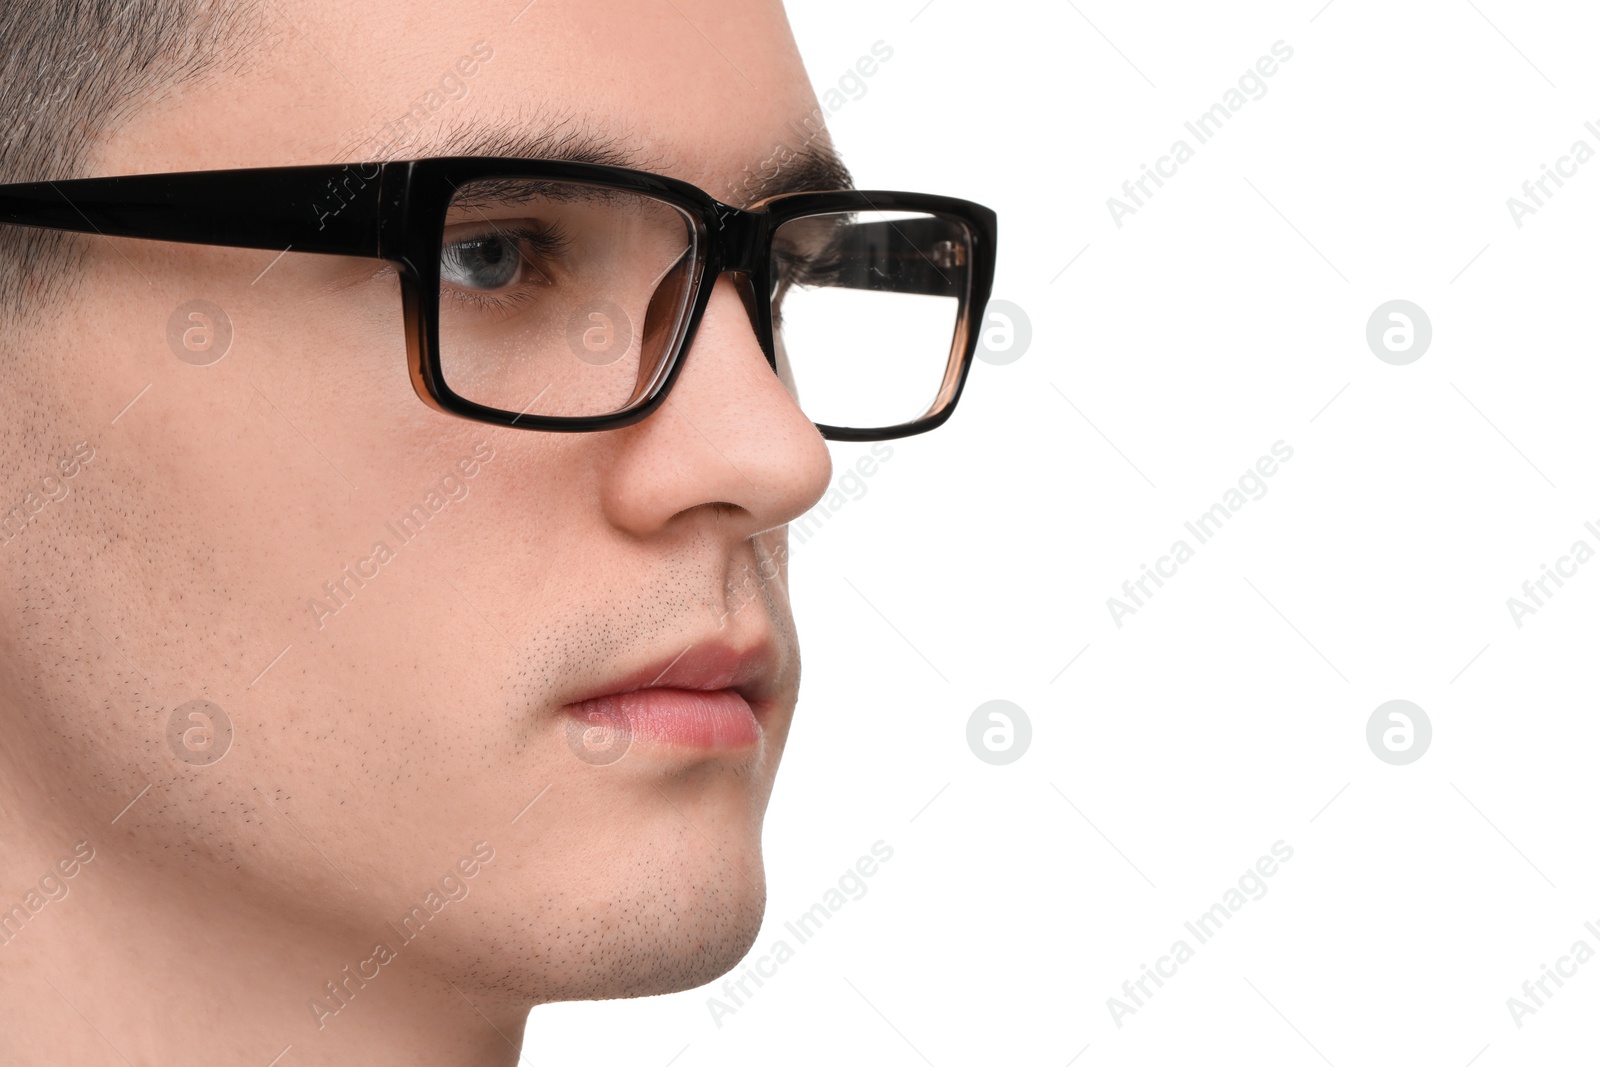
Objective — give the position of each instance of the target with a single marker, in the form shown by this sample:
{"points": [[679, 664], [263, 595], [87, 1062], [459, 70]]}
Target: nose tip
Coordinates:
{"points": [[730, 442]]}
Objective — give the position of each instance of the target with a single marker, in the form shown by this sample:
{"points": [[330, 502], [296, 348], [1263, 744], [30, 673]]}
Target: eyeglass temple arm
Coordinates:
{"points": [[327, 209], [925, 257]]}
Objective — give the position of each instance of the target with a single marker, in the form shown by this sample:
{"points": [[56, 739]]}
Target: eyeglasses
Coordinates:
{"points": [[561, 296]]}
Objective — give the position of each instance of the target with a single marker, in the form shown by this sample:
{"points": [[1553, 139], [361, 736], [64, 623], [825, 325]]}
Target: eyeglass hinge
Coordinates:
{"points": [[949, 254]]}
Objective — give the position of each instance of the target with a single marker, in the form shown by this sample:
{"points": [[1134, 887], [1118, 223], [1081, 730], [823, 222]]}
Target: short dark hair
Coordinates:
{"points": [[70, 70]]}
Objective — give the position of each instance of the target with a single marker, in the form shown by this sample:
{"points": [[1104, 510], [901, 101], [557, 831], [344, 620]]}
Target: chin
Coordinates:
{"points": [[702, 948], [669, 914]]}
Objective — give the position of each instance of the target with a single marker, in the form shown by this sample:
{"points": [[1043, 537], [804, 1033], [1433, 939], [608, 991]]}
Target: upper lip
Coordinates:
{"points": [[703, 665]]}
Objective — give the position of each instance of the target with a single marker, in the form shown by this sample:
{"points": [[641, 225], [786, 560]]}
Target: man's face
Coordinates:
{"points": [[394, 607]]}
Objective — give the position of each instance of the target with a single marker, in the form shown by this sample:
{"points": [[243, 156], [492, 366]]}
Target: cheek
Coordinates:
{"points": [[219, 506]]}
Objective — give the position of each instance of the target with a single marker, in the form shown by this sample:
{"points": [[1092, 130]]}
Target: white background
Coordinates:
{"points": [[1229, 712]]}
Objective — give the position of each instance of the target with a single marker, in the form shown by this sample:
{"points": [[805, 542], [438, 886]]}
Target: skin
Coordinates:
{"points": [[423, 717]]}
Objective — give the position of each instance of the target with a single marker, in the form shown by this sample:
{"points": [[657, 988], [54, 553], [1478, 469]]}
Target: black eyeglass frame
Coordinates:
{"points": [[396, 211]]}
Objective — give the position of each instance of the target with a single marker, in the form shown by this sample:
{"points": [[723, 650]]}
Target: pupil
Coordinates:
{"points": [[486, 262]]}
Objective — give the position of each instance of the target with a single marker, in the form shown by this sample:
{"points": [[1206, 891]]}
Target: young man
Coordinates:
{"points": [[395, 631]]}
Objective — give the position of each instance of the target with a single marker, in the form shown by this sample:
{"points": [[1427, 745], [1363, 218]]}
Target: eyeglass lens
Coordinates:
{"points": [[563, 299]]}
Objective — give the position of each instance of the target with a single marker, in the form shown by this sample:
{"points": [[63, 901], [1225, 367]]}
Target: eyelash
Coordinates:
{"points": [[802, 268], [537, 241]]}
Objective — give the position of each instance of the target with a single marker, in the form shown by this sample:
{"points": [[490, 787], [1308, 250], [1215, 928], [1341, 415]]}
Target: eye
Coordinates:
{"points": [[485, 263], [500, 258]]}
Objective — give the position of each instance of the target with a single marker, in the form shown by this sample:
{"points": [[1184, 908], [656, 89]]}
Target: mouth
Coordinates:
{"points": [[708, 697]]}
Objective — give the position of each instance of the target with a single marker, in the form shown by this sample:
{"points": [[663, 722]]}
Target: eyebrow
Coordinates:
{"points": [[814, 166]]}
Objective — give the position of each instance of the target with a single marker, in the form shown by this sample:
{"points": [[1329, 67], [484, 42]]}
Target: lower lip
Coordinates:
{"points": [[708, 720]]}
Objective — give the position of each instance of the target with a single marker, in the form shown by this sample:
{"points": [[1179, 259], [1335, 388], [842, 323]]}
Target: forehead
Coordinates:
{"points": [[702, 90]]}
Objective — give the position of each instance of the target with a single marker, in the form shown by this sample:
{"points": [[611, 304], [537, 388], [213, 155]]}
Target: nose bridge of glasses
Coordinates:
{"points": [[740, 246], [740, 237]]}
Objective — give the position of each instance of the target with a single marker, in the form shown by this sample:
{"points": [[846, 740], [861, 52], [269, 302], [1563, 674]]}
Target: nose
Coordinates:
{"points": [[729, 440]]}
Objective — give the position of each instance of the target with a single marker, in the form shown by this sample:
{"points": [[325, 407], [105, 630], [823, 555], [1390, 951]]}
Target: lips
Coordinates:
{"points": [[708, 697]]}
